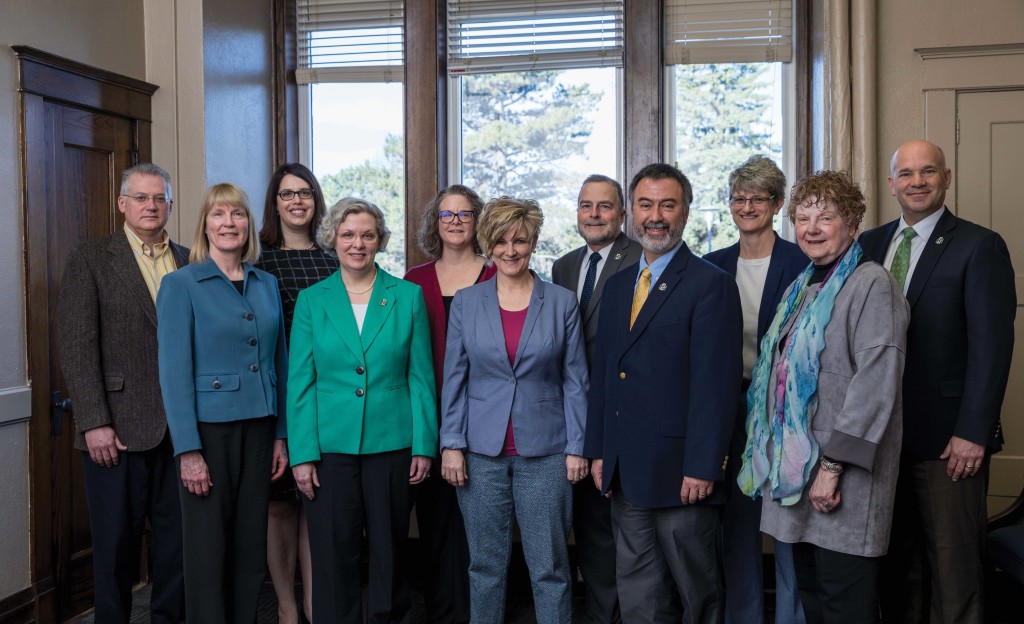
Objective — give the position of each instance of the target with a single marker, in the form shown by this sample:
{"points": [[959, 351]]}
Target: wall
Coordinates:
{"points": [[907, 25], [237, 62], [104, 33]]}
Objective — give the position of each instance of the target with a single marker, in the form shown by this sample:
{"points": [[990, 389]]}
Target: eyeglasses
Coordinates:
{"points": [[158, 200], [288, 194], [758, 202], [350, 237], [464, 216]]}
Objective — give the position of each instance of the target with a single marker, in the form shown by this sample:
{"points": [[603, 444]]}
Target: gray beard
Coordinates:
{"points": [[658, 246]]}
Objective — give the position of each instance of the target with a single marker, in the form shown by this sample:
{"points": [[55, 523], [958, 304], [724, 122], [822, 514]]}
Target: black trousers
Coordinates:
{"points": [[120, 499], [836, 588], [360, 492], [595, 552], [226, 532], [445, 570]]}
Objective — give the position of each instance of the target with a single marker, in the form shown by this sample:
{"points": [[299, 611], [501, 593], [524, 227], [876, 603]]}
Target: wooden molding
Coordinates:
{"points": [[998, 49], [60, 79]]}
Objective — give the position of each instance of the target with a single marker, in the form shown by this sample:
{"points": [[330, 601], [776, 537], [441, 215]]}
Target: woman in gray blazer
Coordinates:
{"points": [[824, 419], [513, 412], [223, 367]]}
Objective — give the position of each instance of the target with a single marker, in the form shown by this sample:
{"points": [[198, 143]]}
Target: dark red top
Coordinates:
{"points": [[425, 276], [512, 326]]}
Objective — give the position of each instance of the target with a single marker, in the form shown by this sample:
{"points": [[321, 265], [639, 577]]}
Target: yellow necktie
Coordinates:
{"points": [[640, 295]]}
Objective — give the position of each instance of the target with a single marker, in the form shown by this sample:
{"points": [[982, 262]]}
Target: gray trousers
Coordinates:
{"points": [[667, 563]]}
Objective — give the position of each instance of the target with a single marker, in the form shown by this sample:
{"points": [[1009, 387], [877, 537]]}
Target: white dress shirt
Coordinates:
{"points": [[604, 251]]}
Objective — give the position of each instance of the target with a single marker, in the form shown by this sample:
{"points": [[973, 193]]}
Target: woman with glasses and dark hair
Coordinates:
{"points": [[292, 212], [364, 425], [448, 235], [763, 264]]}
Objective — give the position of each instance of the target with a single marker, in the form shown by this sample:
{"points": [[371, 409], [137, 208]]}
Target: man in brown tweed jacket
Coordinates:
{"points": [[106, 327]]}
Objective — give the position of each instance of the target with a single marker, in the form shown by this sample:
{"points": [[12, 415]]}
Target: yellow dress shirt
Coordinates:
{"points": [[155, 262]]}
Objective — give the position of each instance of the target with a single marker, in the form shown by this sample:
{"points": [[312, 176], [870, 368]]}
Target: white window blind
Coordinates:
{"points": [[349, 41], [728, 31], [489, 36]]}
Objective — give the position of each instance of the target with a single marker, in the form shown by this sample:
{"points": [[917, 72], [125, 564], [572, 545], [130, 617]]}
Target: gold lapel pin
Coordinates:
{"points": [[939, 240], [662, 286], [383, 302], [618, 256]]}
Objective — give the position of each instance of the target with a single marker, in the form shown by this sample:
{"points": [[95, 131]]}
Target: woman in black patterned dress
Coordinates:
{"points": [[292, 213]]}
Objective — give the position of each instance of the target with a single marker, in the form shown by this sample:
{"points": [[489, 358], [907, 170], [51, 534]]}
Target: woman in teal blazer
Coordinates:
{"points": [[362, 417], [223, 366]]}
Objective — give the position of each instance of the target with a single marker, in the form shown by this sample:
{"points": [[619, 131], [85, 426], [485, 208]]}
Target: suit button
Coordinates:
{"points": [[511, 379], [254, 367], [216, 384], [359, 392], [252, 342], [622, 375], [360, 370], [248, 316]]}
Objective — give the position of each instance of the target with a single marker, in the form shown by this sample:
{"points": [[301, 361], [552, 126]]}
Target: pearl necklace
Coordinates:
{"points": [[366, 290], [286, 247]]}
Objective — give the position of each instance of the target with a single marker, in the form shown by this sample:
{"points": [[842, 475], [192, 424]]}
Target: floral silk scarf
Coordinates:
{"points": [[794, 450]]}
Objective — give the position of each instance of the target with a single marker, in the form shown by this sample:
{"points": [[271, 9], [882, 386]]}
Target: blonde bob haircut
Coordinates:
{"points": [[508, 213], [327, 233], [225, 194]]}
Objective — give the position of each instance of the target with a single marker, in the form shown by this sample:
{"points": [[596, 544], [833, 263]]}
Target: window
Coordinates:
{"points": [[352, 105], [726, 92], [534, 93]]}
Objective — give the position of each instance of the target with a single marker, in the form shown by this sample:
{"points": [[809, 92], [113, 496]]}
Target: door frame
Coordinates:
{"points": [[958, 69], [45, 77], [949, 72]]}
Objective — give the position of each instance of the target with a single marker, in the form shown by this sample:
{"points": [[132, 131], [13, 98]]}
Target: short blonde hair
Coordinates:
{"points": [[504, 213], [336, 215], [230, 195]]}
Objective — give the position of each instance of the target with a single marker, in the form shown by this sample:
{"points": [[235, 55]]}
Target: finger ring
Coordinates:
{"points": [[702, 494], [970, 465], [827, 506]]}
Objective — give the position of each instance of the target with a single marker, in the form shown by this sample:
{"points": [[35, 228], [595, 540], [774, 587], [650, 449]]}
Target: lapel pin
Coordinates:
{"points": [[383, 302], [939, 240], [618, 256], [662, 286]]}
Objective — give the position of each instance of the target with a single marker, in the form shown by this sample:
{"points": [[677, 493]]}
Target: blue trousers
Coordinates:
{"points": [[537, 491]]}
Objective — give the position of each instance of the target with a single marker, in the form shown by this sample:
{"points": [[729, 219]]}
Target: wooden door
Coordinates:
{"points": [[82, 127], [988, 159]]}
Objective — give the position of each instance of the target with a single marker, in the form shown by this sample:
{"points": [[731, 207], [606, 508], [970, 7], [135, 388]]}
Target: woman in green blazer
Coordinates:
{"points": [[362, 423]]}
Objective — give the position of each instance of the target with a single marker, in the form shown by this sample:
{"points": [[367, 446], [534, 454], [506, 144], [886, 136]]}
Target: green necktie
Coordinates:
{"points": [[901, 260]]}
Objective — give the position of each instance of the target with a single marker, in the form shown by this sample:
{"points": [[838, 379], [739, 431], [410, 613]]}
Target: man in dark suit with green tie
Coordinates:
{"points": [[960, 285]]}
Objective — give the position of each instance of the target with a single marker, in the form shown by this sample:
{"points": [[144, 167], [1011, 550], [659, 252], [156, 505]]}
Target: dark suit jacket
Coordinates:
{"points": [[786, 263], [662, 399], [106, 330], [960, 340], [566, 273]]}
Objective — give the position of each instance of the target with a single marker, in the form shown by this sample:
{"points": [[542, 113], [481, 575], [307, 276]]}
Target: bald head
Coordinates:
{"points": [[921, 145], [918, 179]]}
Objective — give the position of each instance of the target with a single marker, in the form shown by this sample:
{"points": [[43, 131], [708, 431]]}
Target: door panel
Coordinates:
{"points": [[81, 128], [988, 159]]}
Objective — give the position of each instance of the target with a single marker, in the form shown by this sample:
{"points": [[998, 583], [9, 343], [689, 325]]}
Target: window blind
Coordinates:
{"points": [[728, 31], [349, 41], [489, 36]]}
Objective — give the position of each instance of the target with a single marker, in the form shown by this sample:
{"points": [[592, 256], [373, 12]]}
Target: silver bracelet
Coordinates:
{"points": [[831, 466]]}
